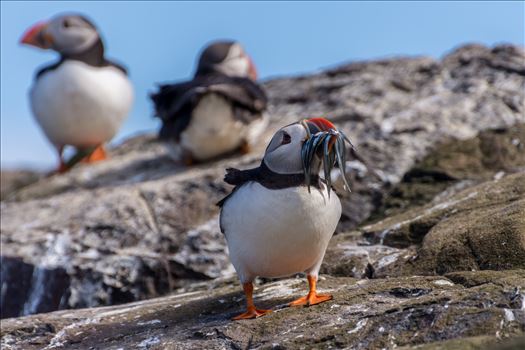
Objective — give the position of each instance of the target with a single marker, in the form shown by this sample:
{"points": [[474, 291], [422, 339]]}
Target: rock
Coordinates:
{"points": [[116, 244], [140, 226], [450, 168], [13, 180], [473, 343], [455, 165], [364, 314], [349, 255], [480, 228]]}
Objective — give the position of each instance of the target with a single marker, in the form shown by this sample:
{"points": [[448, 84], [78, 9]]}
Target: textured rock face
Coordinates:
{"points": [[365, 314], [447, 139]]}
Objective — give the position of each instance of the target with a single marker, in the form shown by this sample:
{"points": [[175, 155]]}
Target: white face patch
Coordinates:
{"points": [[284, 157], [71, 34], [236, 62]]}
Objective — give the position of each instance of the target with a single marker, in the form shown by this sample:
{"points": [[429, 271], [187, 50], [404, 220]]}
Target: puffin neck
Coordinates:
{"points": [[94, 56], [206, 70], [270, 179]]}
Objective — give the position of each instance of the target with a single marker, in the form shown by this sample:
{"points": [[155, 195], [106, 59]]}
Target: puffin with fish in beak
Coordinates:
{"points": [[279, 218], [82, 99], [217, 112]]}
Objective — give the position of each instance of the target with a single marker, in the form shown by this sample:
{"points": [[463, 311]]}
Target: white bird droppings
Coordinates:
{"points": [[443, 283], [146, 343], [358, 326]]}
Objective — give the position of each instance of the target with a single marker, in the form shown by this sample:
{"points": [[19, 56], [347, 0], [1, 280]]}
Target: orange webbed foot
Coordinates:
{"points": [[251, 310], [310, 300], [251, 313], [97, 155]]}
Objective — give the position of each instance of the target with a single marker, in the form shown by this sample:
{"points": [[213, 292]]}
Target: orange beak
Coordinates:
{"points": [[36, 36], [322, 123], [252, 71]]}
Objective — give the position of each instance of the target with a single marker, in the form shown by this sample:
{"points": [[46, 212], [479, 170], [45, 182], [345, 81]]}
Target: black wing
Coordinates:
{"points": [[48, 68], [174, 103]]}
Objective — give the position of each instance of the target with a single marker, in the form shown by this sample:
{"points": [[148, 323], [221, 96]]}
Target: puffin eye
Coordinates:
{"points": [[66, 24], [286, 138]]}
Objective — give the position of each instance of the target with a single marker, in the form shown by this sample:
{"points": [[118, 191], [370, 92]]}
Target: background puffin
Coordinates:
{"points": [[82, 99], [218, 111], [279, 218]]}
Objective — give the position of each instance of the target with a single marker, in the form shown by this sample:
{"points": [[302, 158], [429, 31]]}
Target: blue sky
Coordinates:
{"points": [[159, 41]]}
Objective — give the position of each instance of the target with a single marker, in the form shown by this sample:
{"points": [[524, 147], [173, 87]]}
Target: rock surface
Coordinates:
{"points": [[479, 228], [13, 180], [365, 314], [447, 140]]}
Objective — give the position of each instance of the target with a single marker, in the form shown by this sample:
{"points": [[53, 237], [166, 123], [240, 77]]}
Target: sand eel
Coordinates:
{"points": [[83, 98], [217, 112], [279, 218]]}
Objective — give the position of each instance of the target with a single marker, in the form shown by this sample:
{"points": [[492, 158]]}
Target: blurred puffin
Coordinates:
{"points": [[82, 99], [219, 111], [279, 218]]}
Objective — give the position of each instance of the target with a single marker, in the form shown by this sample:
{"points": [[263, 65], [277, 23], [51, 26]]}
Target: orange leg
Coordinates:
{"points": [[188, 160], [312, 297], [98, 154], [62, 167], [251, 311], [245, 148]]}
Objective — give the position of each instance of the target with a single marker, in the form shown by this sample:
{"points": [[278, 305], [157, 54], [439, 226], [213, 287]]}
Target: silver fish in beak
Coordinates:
{"points": [[328, 143]]}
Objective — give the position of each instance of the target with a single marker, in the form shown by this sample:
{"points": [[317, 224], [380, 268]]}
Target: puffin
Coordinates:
{"points": [[219, 111], [82, 99], [280, 216]]}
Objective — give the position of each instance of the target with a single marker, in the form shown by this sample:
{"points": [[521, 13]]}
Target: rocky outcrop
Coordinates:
{"points": [[479, 228], [446, 139], [365, 314]]}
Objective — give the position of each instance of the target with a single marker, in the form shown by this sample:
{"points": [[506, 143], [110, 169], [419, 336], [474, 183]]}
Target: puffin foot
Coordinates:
{"points": [[97, 155], [251, 313], [251, 310], [188, 161], [245, 148], [186, 158], [62, 168], [311, 299]]}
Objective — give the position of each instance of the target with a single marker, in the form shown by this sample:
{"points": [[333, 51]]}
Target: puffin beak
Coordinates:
{"points": [[252, 71], [37, 36]]}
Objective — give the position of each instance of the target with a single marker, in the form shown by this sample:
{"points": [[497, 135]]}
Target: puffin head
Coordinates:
{"points": [[226, 57], [66, 34], [303, 146]]}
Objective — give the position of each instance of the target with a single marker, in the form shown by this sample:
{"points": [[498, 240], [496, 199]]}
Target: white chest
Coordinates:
{"points": [[273, 233], [77, 104], [213, 130]]}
